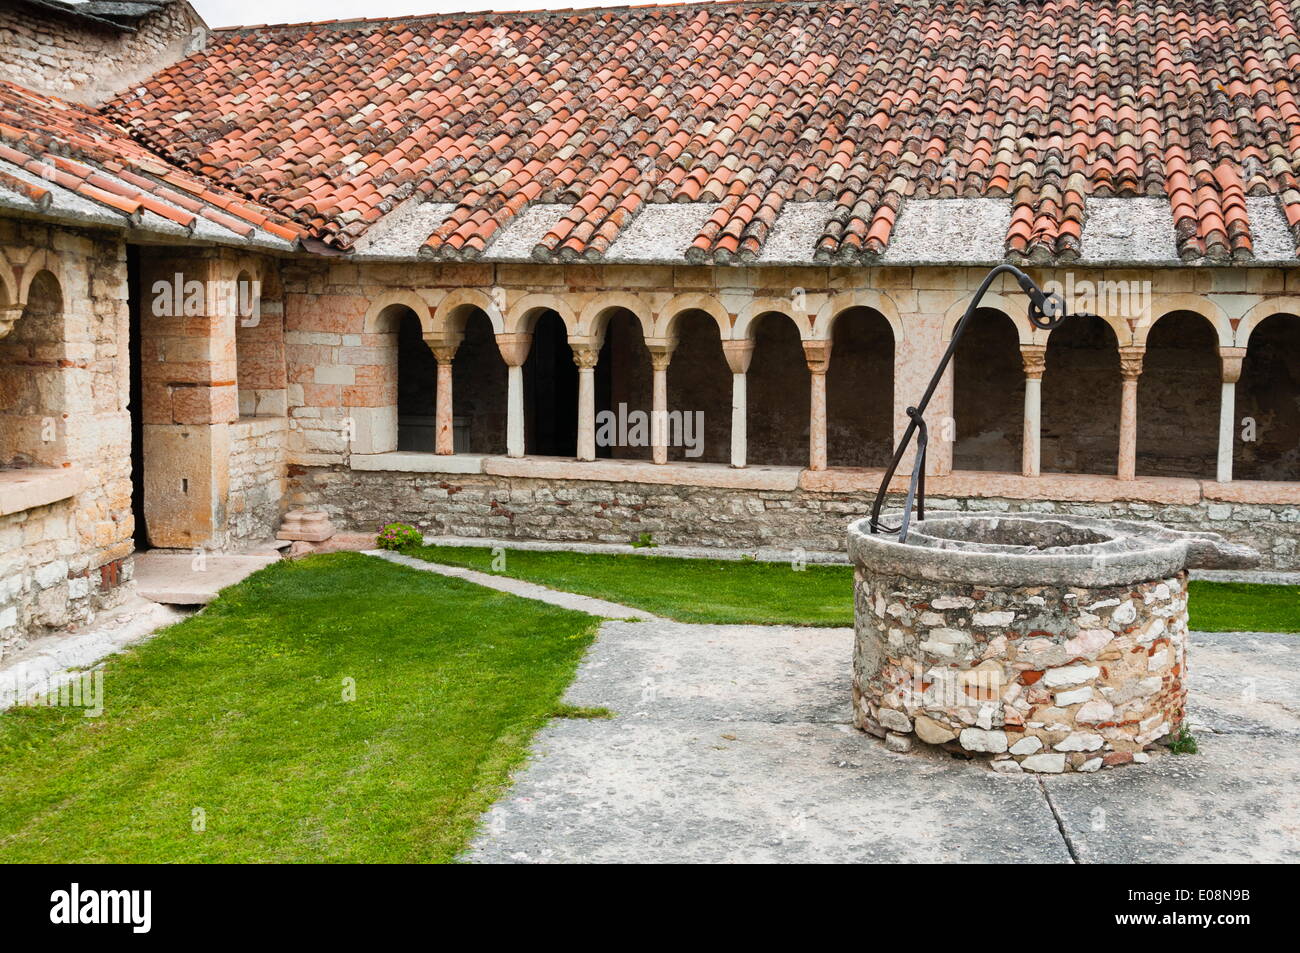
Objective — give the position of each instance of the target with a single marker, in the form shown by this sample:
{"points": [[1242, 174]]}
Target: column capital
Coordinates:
{"points": [[444, 345], [1033, 357], [1230, 359], [1130, 362], [661, 352], [9, 315], [514, 347], [738, 355], [585, 356], [818, 356]]}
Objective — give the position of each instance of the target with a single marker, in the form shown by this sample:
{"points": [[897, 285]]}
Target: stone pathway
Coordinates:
{"points": [[733, 743]]}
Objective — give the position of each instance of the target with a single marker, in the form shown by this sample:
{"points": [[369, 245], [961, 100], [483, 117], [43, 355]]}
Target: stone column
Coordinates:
{"points": [[9, 315], [1034, 359], [514, 351], [661, 354], [1130, 369], [818, 356], [1230, 359], [190, 399], [586, 354], [444, 351], [738, 355]]}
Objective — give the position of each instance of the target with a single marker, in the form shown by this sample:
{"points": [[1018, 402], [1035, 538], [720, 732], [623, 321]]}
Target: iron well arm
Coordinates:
{"points": [[1045, 312]]}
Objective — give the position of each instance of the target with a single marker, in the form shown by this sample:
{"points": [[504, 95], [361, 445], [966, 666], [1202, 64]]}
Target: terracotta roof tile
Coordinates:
{"points": [[865, 105], [77, 149]]}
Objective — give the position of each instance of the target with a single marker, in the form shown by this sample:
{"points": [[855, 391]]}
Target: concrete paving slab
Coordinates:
{"points": [[186, 580], [1238, 801], [517, 587], [631, 790], [665, 670], [731, 743]]}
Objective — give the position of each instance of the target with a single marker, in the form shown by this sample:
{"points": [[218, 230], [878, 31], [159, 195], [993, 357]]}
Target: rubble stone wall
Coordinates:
{"points": [[57, 54], [591, 511], [1036, 678], [63, 561]]}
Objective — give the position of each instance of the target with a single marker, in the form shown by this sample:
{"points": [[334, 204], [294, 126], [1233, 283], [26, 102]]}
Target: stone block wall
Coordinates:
{"points": [[63, 561], [592, 511], [257, 479], [61, 55]]}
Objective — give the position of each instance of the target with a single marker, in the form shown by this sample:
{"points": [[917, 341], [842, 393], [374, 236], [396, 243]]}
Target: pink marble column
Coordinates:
{"points": [[514, 349], [1230, 359], [1034, 359], [586, 354], [661, 354], [1130, 369], [739, 354], [818, 356], [444, 351]]}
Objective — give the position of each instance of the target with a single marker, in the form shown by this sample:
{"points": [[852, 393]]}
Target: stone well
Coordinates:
{"points": [[1040, 643]]}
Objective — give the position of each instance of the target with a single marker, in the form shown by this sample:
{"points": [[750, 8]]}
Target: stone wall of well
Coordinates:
{"points": [[726, 518], [62, 561], [55, 54], [1036, 678]]}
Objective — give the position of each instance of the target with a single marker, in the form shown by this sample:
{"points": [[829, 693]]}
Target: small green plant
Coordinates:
{"points": [[398, 536], [1183, 742], [644, 541], [581, 711], [748, 558]]}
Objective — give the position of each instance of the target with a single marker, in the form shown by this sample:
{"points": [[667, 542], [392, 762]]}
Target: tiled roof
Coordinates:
{"points": [[747, 108], [58, 157]]}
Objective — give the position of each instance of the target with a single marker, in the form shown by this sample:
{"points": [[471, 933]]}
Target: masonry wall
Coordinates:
{"points": [[58, 55], [61, 562], [590, 511], [257, 479]]}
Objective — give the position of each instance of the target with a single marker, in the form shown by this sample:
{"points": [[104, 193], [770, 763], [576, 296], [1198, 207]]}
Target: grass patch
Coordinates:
{"points": [[240, 712], [745, 591], [1243, 607], [581, 711], [688, 590]]}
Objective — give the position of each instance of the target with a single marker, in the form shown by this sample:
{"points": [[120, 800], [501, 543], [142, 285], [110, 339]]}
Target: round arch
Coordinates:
{"points": [[595, 316], [1260, 313], [376, 322], [456, 308], [1164, 305], [1014, 307], [673, 308], [823, 327], [523, 314], [747, 321]]}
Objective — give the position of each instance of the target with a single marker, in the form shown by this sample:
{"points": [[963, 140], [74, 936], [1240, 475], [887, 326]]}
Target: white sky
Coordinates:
{"points": [[239, 12]]}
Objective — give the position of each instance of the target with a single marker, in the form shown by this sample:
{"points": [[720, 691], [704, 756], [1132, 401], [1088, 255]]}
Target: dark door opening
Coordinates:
{"points": [[136, 394], [551, 391]]}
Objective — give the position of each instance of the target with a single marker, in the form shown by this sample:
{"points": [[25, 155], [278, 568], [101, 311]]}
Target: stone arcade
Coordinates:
{"points": [[470, 237]]}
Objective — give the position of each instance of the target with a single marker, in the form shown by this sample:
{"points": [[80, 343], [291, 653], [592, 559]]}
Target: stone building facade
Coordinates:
{"points": [[186, 354]]}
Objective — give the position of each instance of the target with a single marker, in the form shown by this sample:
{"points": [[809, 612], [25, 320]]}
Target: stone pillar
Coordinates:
{"points": [[739, 354], [818, 356], [444, 351], [1034, 359], [9, 315], [1230, 359], [586, 354], [1130, 369], [514, 349], [189, 400], [661, 354]]}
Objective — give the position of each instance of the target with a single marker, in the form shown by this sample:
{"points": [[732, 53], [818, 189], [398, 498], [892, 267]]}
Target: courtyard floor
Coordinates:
{"points": [[733, 743]]}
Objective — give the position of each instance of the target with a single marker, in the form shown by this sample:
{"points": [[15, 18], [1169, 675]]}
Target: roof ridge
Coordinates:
{"points": [[542, 14]]}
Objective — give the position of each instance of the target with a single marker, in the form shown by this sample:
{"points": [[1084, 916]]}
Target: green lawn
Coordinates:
{"points": [[689, 590], [723, 591], [240, 712], [1243, 607]]}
